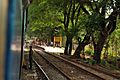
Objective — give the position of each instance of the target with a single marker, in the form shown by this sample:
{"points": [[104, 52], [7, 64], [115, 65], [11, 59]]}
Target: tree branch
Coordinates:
{"points": [[68, 15], [65, 13], [73, 13], [94, 43], [112, 22], [84, 10], [77, 15], [86, 39], [60, 20]]}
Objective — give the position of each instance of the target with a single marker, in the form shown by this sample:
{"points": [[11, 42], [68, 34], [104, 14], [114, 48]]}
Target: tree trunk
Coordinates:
{"points": [[77, 51], [97, 54], [98, 48], [105, 55], [68, 47], [81, 45]]}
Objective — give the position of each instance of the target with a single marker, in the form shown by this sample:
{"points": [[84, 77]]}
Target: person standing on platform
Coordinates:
{"points": [[30, 56]]}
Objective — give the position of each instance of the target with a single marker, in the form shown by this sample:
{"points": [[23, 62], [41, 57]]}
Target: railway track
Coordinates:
{"points": [[68, 69], [98, 68], [50, 70], [102, 74], [41, 71]]}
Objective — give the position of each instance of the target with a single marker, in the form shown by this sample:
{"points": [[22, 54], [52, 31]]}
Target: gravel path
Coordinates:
{"points": [[28, 74]]}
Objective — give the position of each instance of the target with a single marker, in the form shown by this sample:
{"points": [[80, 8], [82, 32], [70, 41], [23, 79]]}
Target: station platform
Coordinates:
{"points": [[29, 74], [55, 50]]}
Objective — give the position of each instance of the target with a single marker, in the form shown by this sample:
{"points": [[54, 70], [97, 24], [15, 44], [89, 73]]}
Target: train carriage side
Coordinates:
{"points": [[12, 37]]}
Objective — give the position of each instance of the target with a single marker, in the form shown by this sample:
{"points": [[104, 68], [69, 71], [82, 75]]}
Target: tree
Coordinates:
{"points": [[100, 23], [73, 21], [42, 19], [114, 39], [106, 12], [70, 19], [71, 13], [81, 45]]}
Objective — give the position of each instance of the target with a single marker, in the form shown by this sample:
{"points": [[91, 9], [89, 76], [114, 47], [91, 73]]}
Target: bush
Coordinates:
{"points": [[103, 62], [88, 52]]}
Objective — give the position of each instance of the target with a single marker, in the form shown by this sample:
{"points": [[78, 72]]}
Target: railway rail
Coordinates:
{"points": [[102, 74], [51, 71], [68, 68], [99, 71], [43, 74], [98, 68]]}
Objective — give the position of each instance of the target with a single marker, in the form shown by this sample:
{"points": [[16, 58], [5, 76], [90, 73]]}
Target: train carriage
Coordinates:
{"points": [[13, 22]]}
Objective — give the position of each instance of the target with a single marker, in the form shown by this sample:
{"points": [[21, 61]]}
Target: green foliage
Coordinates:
{"points": [[115, 39], [104, 62], [43, 18], [94, 22], [42, 12], [42, 33], [90, 61], [45, 15], [80, 29], [88, 52]]}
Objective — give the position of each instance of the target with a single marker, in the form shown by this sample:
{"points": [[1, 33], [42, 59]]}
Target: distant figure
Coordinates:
{"points": [[51, 43], [30, 56]]}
